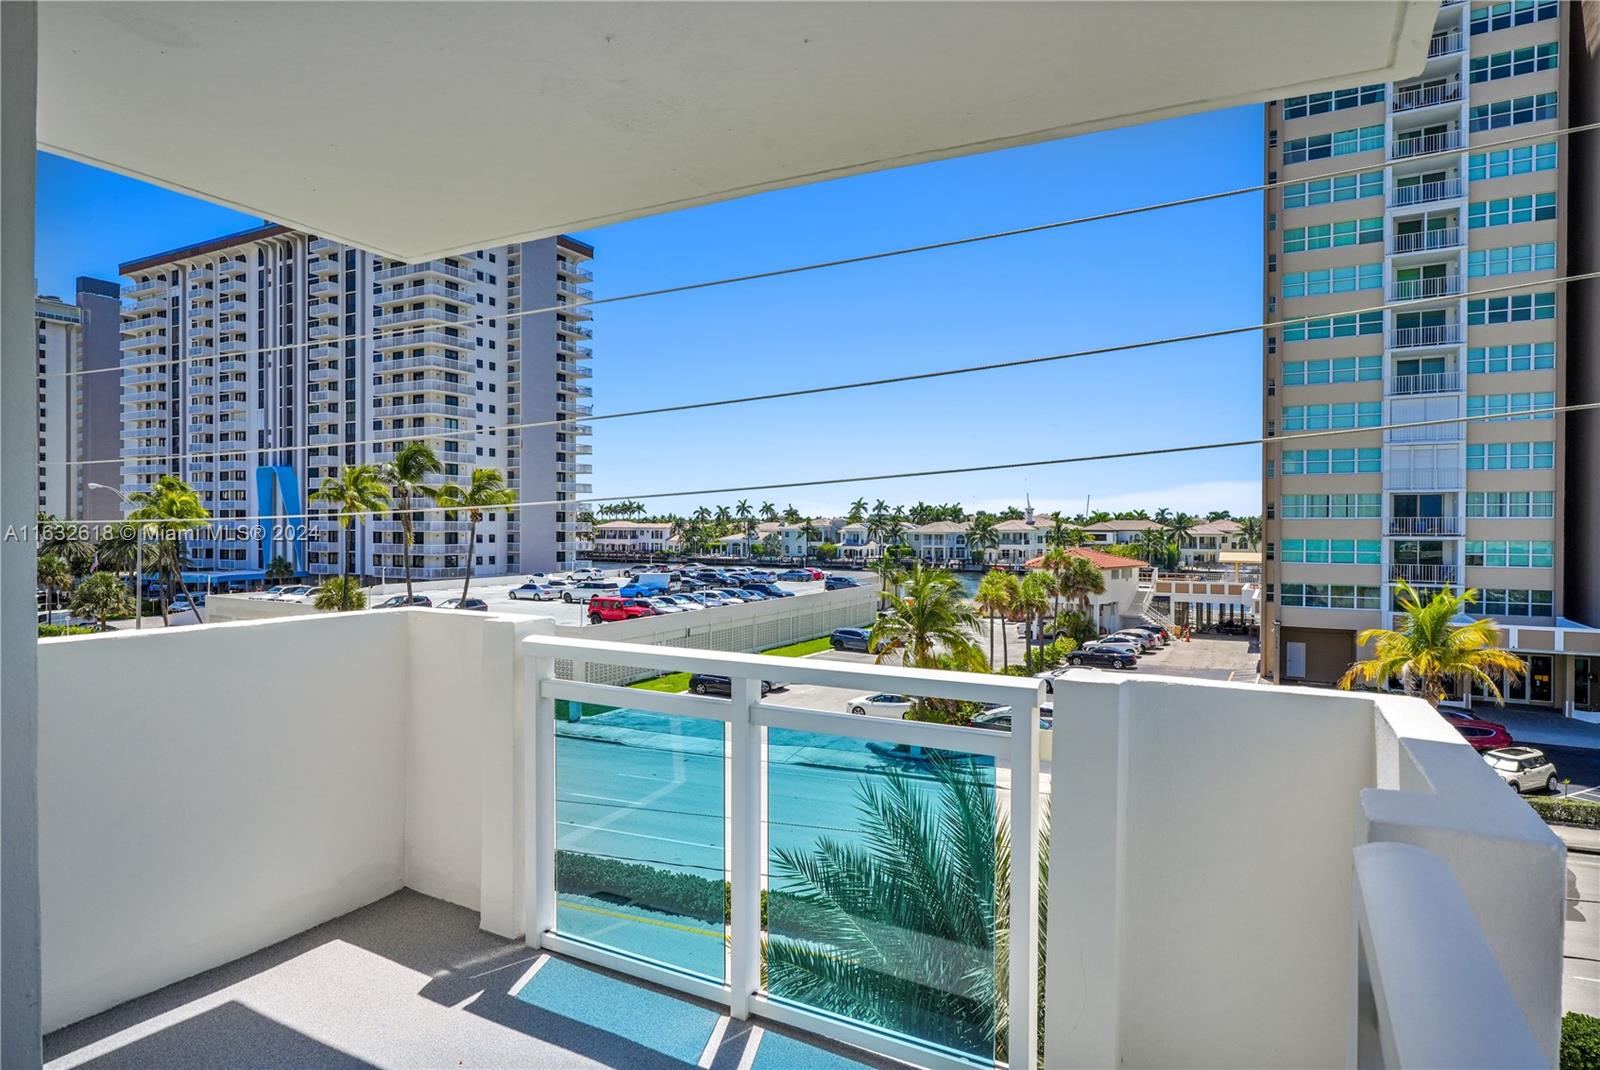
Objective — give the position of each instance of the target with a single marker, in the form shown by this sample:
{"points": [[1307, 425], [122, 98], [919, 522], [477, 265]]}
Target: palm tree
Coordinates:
{"points": [[791, 515], [930, 619], [858, 510], [1428, 651], [174, 507], [1080, 579], [101, 597], [768, 512], [68, 541], [809, 534], [1033, 599], [1178, 528], [486, 490], [355, 492], [982, 536], [406, 476], [1250, 531], [888, 569], [340, 593], [1056, 561], [279, 570], [994, 598], [55, 576]]}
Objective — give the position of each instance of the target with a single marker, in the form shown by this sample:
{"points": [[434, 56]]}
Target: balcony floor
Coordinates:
{"points": [[411, 981]]}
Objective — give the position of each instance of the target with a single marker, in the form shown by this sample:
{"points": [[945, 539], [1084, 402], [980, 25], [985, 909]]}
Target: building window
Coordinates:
{"points": [[1332, 506], [1523, 357], [1511, 505], [1514, 112], [1511, 553], [1339, 415], [1330, 596], [1333, 235], [1511, 308], [1499, 65], [1509, 260], [1510, 456], [1517, 160], [1332, 551], [1338, 143], [1335, 370], [1498, 407], [1513, 602], [1333, 327], [1338, 100], [1511, 13], [1333, 190], [1333, 280], [1339, 462], [1504, 211]]}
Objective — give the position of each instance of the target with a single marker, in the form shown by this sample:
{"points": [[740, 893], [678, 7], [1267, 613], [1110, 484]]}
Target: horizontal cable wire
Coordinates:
{"points": [[863, 258], [910, 377], [1003, 466]]}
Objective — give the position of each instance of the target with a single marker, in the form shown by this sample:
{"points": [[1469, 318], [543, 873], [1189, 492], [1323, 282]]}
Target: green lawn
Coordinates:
{"points": [[679, 681]]}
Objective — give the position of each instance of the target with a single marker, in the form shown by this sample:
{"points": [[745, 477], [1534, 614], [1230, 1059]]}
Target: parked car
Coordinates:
{"points": [[662, 604], [400, 600], [465, 603], [300, 592], [610, 607], [584, 590], [998, 719], [707, 684], [1524, 768], [879, 705], [534, 591], [797, 575], [1233, 627], [1158, 634], [759, 577], [1104, 659], [713, 599], [1144, 640], [1483, 735], [854, 639], [270, 593], [816, 573], [739, 594], [1113, 646], [771, 590], [683, 602], [839, 583]]}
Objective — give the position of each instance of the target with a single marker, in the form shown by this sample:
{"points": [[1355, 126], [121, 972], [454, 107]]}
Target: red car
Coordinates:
{"points": [[816, 573], [1483, 735], [611, 607]]}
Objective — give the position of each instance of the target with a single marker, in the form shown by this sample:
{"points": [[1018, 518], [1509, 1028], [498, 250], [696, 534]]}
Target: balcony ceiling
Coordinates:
{"points": [[418, 129]]}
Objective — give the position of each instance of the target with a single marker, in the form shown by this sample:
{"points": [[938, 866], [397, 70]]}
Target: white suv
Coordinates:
{"points": [[1524, 768]]}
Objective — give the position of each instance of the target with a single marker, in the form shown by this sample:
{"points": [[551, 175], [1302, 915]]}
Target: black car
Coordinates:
{"points": [[768, 588], [401, 600], [1104, 659], [837, 583], [1232, 627], [702, 683], [853, 639], [465, 603]]}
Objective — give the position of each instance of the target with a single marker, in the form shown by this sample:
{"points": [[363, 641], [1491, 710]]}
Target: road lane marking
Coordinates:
{"points": [[692, 930]]}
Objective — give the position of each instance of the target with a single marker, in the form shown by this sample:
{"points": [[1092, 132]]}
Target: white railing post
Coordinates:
{"points": [[1023, 984], [539, 800], [744, 847]]}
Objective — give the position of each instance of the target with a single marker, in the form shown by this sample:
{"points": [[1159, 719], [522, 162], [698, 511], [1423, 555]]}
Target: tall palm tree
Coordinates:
{"points": [[1080, 579], [994, 598], [405, 476], [169, 508], [101, 597], [356, 491], [887, 566], [1031, 603], [1178, 528], [929, 619], [1056, 562], [55, 576], [809, 533], [71, 542], [486, 490], [982, 536], [1250, 531], [858, 510], [1428, 651], [768, 512]]}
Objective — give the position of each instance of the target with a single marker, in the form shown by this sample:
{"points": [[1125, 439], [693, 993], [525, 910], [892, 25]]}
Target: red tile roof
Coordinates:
{"points": [[1095, 557]]}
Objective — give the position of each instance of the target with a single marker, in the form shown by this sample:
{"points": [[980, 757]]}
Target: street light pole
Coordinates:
{"points": [[138, 560]]}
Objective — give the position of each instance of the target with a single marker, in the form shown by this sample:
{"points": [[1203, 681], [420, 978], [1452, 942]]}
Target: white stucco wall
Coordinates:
{"points": [[207, 791]]}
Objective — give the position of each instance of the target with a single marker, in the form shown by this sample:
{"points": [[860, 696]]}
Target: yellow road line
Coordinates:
{"points": [[647, 921]]}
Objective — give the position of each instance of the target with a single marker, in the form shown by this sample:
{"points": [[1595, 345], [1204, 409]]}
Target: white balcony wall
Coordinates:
{"points": [[208, 791]]}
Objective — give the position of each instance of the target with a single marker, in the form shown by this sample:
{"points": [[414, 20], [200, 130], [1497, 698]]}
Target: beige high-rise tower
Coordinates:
{"points": [[1433, 214]]}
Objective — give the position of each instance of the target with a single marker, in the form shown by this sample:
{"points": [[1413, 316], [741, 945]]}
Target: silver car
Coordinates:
{"points": [[1524, 768]]}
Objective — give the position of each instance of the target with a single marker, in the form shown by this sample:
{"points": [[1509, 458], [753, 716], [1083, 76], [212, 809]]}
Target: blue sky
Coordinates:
{"points": [[1154, 275]]}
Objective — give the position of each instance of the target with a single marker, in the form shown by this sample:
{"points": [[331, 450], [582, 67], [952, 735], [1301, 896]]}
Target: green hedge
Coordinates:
{"points": [[1579, 813], [1580, 1042], [50, 631]]}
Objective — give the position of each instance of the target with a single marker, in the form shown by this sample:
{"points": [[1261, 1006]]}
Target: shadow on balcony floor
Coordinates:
{"points": [[410, 981]]}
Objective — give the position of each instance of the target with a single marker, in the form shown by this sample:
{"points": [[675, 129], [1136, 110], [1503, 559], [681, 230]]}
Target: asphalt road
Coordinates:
{"points": [[1579, 764], [1580, 980]]}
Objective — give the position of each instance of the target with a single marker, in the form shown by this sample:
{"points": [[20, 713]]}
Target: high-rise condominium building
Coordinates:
{"points": [[258, 364], [1430, 207], [77, 358]]}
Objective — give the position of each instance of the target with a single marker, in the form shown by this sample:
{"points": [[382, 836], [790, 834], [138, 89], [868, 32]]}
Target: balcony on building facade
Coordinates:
{"points": [[149, 304], [232, 286], [419, 386], [1425, 383], [422, 338], [144, 323], [145, 288], [1412, 526], [1425, 240], [1427, 432], [322, 288], [323, 330], [1406, 146], [1439, 334], [323, 266], [577, 329], [1426, 288], [423, 289], [1445, 44], [322, 245], [318, 309], [433, 361], [1410, 98], [429, 267], [1427, 575], [422, 315], [574, 269], [323, 373]]}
